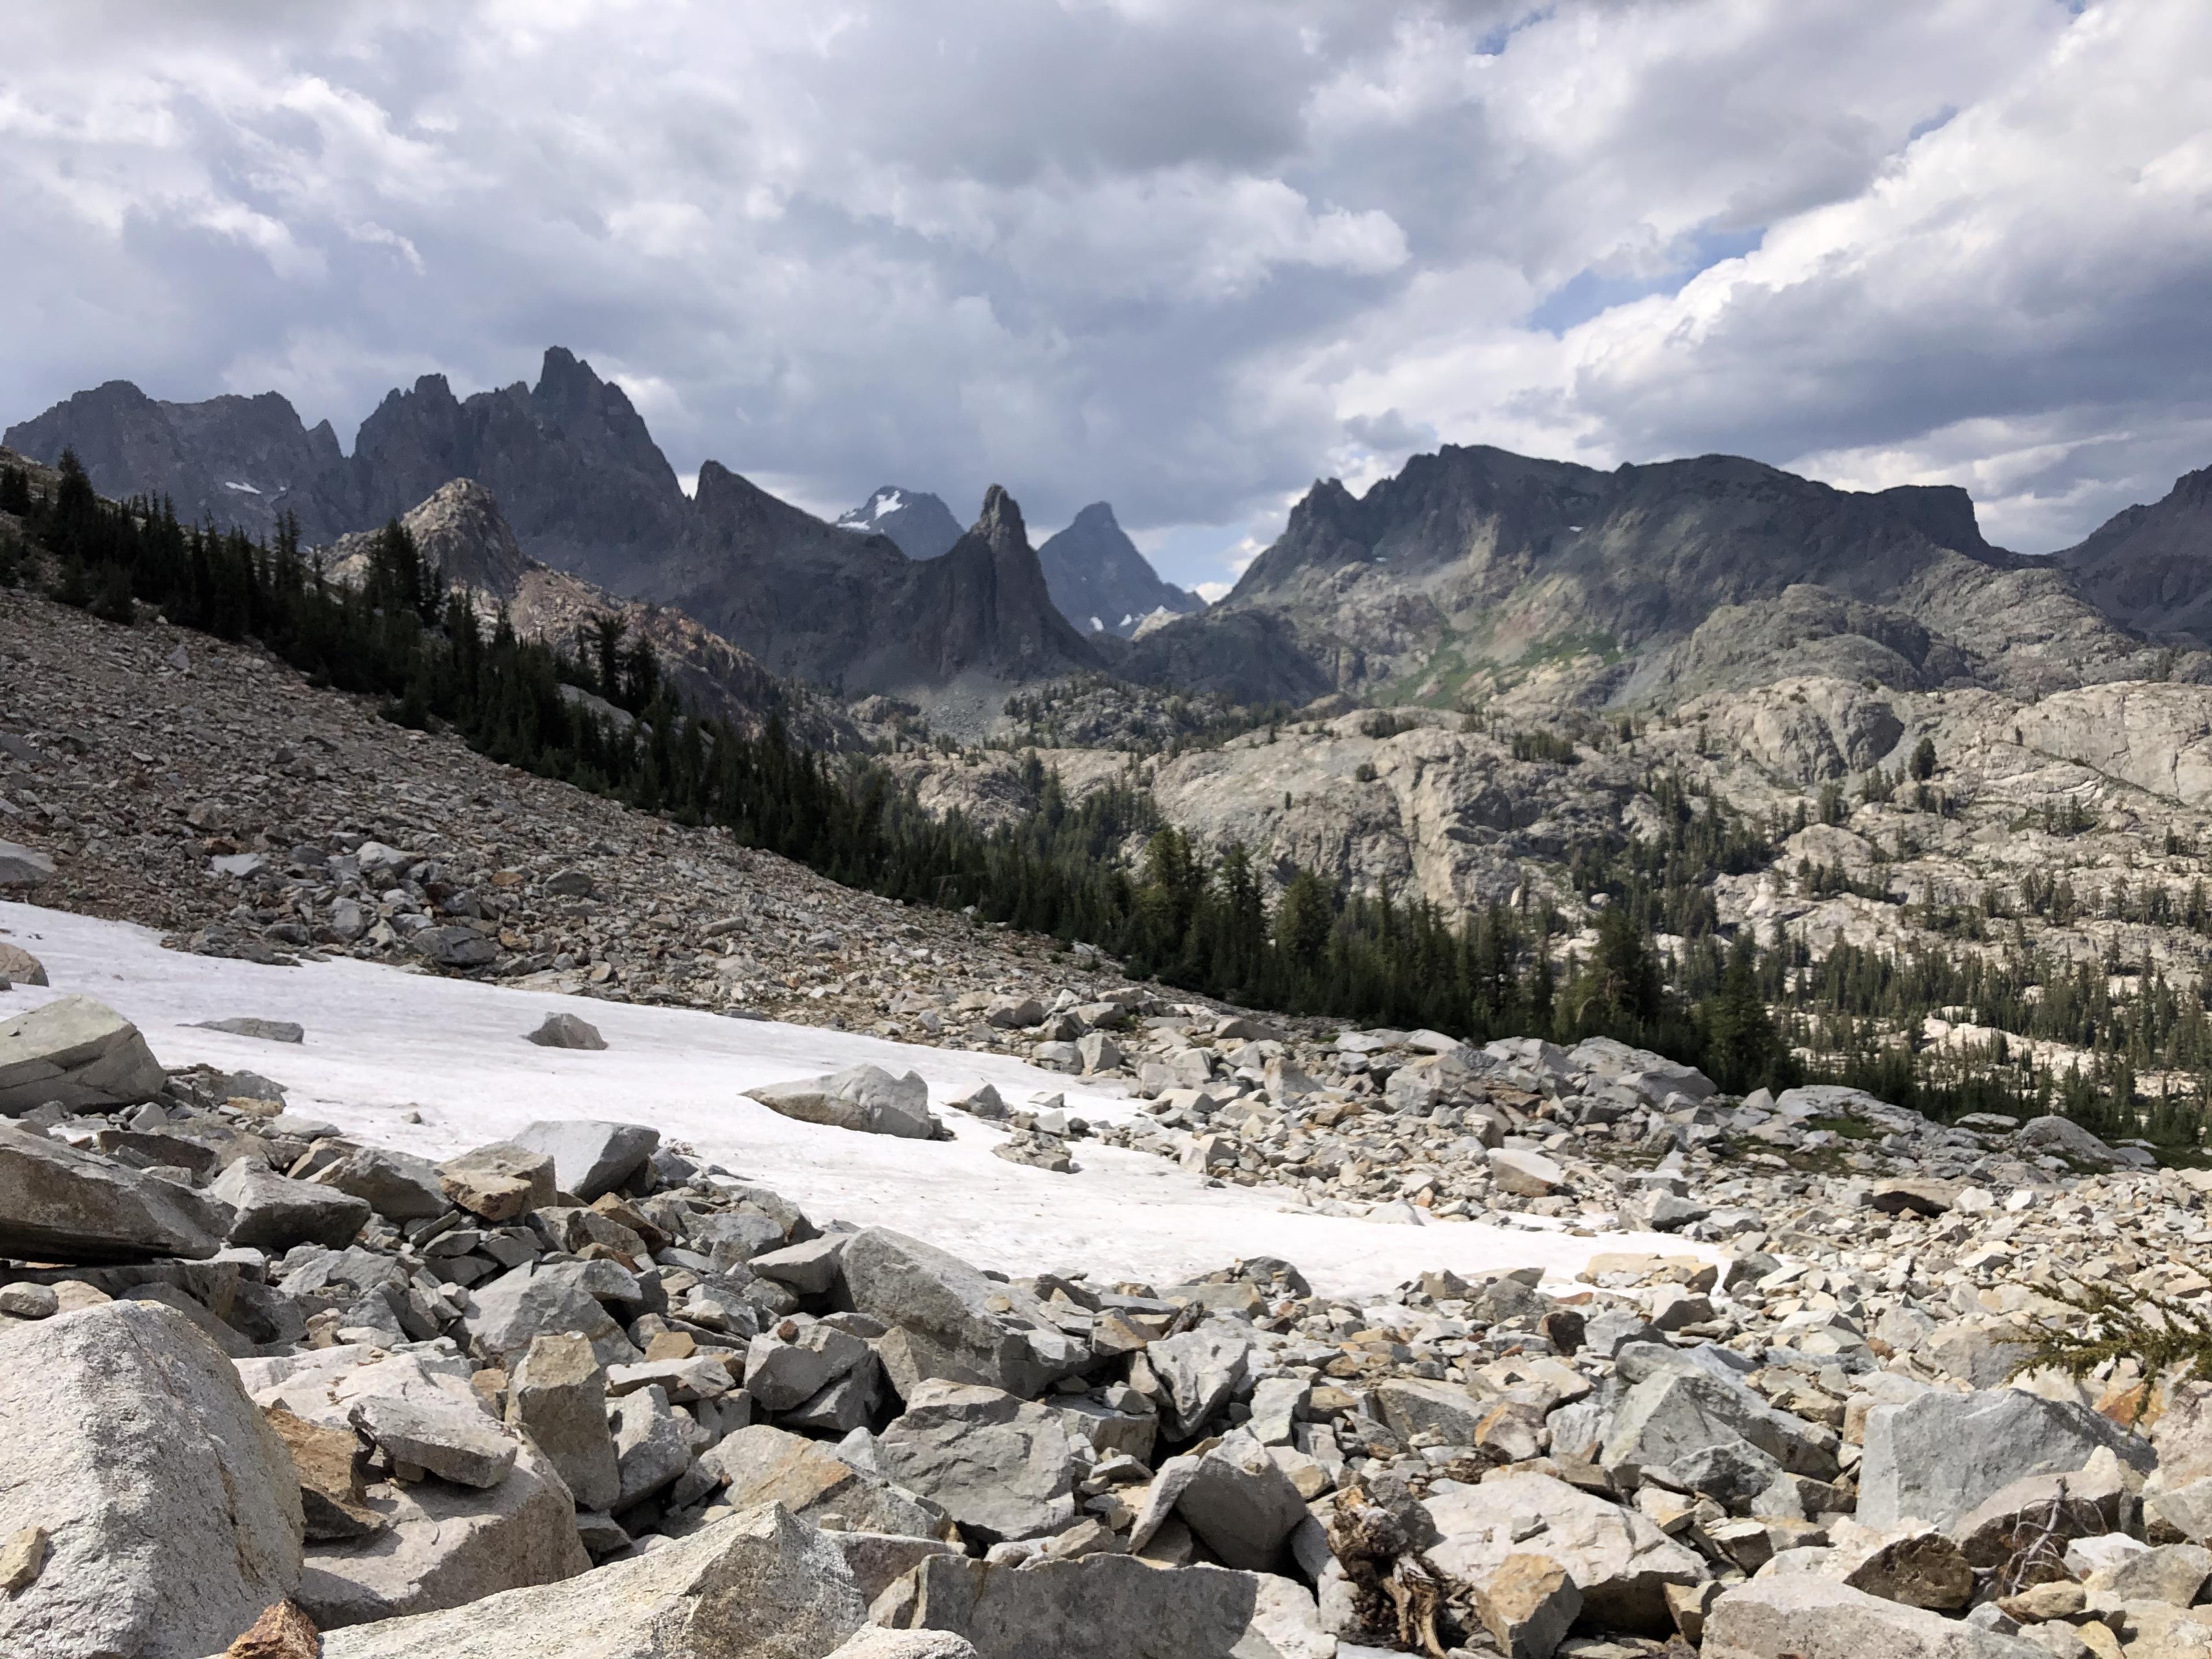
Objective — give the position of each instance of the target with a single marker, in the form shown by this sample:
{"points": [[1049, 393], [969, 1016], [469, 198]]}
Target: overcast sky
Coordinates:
{"points": [[1183, 255]]}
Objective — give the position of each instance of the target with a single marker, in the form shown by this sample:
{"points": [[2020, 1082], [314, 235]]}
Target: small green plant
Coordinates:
{"points": [[2103, 1326]]}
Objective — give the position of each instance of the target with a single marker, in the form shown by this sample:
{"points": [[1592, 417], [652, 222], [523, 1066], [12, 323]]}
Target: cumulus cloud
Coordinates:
{"points": [[1186, 258]]}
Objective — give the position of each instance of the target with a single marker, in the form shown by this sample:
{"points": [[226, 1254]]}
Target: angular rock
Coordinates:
{"points": [[19, 967], [781, 1375], [274, 1213], [1109, 1606], [24, 867], [283, 1632], [499, 1181], [1618, 1558], [1937, 1457], [810, 1269], [1241, 1504], [1200, 1369], [566, 1031], [331, 1491], [652, 1444], [1000, 1466], [511, 1311], [2171, 1573], [77, 1051], [866, 1098], [443, 1546], [957, 1325], [1809, 1617], [1444, 1410], [1674, 1425], [759, 1585], [455, 1443], [1526, 1175], [590, 1158], [454, 947], [262, 1031], [57, 1204], [398, 1186], [765, 1465], [874, 1642], [1920, 1570], [1528, 1605], [171, 1506]]}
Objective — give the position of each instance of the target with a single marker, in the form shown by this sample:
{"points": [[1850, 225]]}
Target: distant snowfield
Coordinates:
{"points": [[381, 1041]]}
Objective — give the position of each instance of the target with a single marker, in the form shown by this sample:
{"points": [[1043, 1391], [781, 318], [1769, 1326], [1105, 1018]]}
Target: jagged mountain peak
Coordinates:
{"points": [[1101, 581]]}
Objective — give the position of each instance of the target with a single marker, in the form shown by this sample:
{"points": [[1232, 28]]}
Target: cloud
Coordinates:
{"points": [[1182, 257]]}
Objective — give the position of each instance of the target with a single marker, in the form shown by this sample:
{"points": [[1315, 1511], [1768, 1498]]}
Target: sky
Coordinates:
{"points": [[1186, 256]]}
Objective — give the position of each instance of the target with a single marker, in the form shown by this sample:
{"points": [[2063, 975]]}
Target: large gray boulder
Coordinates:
{"points": [[653, 1443], [558, 1397], [956, 1324], [759, 1585], [444, 1545], [1237, 1499], [1619, 1560], [1002, 1467], [1198, 1370], [456, 1442], [764, 1464], [1806, 1616], [171, 1506], [398, 1186], [1937, 1457], [272, 1212], [77, 1051], [1106, 1607], [590, 1158], [57, 1204], [1681, 1422], [866, 1098], [510, 1312]]}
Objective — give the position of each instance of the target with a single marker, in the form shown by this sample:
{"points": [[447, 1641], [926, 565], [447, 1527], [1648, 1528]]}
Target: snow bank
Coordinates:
{"points": [[382, 1042]]}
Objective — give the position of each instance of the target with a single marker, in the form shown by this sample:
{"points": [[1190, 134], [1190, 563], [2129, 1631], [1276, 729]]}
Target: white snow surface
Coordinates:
{"points": [[382, 1042]]}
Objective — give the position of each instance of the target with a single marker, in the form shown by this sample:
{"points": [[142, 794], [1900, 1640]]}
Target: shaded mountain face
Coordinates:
{"points": [[917, 522], [1099, 580], [2151, 567], [1476, 572], [229, 460], [853, 611], [585, 489]]}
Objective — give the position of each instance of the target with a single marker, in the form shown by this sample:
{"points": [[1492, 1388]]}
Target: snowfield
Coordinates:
{"points": [[382, 1043]]}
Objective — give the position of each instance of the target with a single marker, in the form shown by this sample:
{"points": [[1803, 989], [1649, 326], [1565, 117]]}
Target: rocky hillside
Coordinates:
{"points": [[461, 532], [1101, 581], [2151, 567], [1475, 574], [918, 523]]}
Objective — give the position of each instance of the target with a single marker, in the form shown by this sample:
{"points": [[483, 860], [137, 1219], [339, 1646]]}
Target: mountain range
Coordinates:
{"points": [[1473, 574]]}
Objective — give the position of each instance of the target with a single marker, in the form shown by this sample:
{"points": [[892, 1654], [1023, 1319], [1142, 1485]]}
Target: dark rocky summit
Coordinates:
{"points": [[2150, 568], [1100, 582]]}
